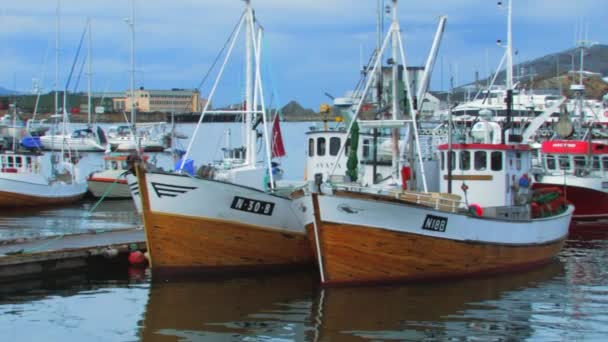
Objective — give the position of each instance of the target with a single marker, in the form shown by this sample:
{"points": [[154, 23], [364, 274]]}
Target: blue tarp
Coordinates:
{"points": [[188, 166]]}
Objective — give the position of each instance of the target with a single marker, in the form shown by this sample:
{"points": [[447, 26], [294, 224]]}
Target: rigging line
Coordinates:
{"points": [[219, 55], [267, 64], [75, 58], [79, 75]]}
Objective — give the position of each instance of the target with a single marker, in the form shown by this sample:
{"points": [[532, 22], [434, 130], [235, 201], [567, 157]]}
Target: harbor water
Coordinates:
{"points": [[566, 300]]}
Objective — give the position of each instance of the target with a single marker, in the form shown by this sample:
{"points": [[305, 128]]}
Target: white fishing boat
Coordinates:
{"points": [[226, 216], [35, 179], [372, 234], [110, 182]]}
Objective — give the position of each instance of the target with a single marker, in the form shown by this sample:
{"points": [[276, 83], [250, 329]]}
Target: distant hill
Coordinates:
{"points": [[553, 71], [4, 91], [293, 111]]}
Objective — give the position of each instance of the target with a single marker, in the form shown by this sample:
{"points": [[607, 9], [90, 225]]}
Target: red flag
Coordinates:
{"points": [[278, 150]]}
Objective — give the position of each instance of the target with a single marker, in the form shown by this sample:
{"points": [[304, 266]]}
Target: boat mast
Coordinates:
{"points": [[57, 28], [509, 72], [250, 137], [89, 72], [379, 31], [395, 91], [131, 23]]}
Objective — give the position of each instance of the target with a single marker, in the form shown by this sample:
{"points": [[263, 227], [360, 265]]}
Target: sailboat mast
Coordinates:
{"points": [[133, 103], [395, 91], [57, 28], [249, 136], [509, 71], [89, 73]]}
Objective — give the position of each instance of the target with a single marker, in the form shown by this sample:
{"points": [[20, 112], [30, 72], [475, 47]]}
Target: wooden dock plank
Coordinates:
{"points": [[45, 257]]}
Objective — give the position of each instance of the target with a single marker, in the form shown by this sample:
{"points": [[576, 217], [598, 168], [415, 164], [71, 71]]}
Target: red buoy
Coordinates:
{"points": [[137, 258]]}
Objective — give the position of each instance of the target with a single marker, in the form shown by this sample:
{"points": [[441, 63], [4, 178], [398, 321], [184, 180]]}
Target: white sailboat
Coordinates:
{"points": [[224, 218], [86, 139]]}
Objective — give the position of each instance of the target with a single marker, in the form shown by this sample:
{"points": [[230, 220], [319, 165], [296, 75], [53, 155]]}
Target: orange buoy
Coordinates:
{"points": [[476, 210], [137, 258]]}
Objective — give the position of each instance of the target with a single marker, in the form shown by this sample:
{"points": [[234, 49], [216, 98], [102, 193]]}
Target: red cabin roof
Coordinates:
{"points": [[492, 147], [572, 147]]}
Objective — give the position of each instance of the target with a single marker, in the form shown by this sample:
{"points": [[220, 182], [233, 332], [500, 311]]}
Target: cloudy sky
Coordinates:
{"points": [[311, 46]]}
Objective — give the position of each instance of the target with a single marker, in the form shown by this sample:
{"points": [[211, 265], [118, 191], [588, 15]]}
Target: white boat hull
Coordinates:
{"points": [[18, 191], [60, 142]]}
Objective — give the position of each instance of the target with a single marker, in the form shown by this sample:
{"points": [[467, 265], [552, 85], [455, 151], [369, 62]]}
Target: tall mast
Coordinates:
{"points": [[395, 91], [249, 136], [131, 23], [509, 71], [57, 28], [89, 73]]}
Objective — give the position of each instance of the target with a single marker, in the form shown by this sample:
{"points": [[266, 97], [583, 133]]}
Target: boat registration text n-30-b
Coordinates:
{"points": [[435, 223], [252, 206]]}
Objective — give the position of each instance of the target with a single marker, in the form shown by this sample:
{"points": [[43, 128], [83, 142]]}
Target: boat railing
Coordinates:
{"points": [[438, 201]]}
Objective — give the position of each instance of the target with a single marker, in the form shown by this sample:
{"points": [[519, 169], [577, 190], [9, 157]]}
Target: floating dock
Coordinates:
{"points": [[33, 259]]}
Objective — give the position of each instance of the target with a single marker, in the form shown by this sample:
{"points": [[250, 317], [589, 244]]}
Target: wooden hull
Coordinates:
{"points": [[371, 241], [353, 255], [184, 245], [16, 200], [197, 229]]}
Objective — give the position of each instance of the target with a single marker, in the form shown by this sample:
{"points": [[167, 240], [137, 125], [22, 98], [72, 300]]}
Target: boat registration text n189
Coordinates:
{"points": [[252, 206], [435, 223]]}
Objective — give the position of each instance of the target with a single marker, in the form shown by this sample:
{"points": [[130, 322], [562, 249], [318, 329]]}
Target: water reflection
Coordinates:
{"points": [[292, 308], [266, 308]]}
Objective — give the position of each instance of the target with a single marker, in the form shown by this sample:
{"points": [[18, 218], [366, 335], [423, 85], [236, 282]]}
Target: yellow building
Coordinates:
{"points": [[176, 101]]}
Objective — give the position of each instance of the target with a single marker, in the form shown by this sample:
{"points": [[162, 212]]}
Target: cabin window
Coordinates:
{"points": [[334, 146], [496, 161], [366, 148], [453, 160], [114, 165], [18, 161], [10, 161], [550, 162], [465, 160], [347, 147], [311, 147], [605, 162], [321, 146], [481, 160], [596, 163], [518, 161], [442, 161], [580, 162], [28, 161], [564, 162]]}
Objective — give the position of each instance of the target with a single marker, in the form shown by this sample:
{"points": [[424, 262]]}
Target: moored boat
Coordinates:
{"points": [[371, 234], [580, 169], [111, 181], [33, 179], [228, 216]]}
